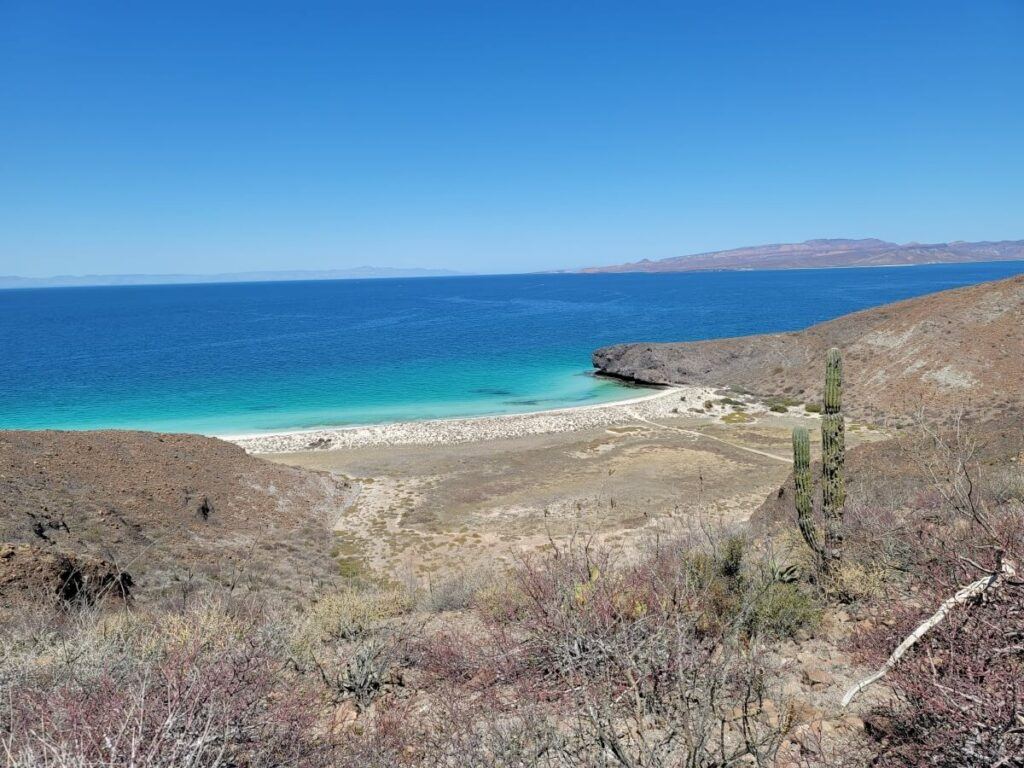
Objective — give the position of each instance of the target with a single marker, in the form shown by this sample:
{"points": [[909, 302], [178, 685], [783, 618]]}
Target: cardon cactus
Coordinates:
{"points": [[829, 552], [833, 454]]}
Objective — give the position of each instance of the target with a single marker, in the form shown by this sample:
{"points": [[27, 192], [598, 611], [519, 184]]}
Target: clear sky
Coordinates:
{"points": [[484, 136]]}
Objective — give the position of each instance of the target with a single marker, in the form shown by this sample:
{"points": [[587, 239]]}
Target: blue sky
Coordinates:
{"points": [[495, 137]]}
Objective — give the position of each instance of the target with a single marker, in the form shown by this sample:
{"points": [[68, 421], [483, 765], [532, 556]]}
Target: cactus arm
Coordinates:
{"points": [[804, 495]]}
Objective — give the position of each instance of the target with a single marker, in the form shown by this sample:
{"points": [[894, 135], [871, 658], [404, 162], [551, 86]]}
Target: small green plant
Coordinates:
{"points": [[737, 417], [812, 408], [778, 408], [781, 608], [730, 557]]}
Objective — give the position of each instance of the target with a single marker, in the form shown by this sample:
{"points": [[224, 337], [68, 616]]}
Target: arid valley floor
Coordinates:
{"points": [[428, 509]]}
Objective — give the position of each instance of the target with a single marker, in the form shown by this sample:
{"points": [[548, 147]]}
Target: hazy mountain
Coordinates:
{"points": [[224, 277], [868, 252]]}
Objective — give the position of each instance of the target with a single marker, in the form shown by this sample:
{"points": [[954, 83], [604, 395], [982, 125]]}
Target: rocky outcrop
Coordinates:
{"points": [[31, 574], [962, 348], [177, 511]]}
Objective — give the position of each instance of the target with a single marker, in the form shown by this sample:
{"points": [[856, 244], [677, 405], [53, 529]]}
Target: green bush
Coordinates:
{"points": [[777, 408], [737, 417], [813, 407], [780, 609], [730, 557]]}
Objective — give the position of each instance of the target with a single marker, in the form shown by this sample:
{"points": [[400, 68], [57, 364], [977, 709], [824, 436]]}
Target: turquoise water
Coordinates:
{"points": [[255, 357]]}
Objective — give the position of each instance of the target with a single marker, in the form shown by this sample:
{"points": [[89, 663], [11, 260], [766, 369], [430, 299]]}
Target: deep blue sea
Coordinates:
{"points": [[252, 357]]}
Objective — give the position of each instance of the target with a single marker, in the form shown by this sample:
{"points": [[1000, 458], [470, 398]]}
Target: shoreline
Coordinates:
{"points": [[468, 429]]}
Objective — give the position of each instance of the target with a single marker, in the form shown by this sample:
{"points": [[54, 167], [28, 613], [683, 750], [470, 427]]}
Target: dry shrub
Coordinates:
{"points": [[355, 642], [656, 663], [456, 731], [350, 613], [457, 591], [956, 698], [206, 687], [502, 600]]}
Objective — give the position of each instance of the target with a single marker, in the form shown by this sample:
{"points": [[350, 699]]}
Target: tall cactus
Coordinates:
{"points": [[833, 455], [829, 552]]}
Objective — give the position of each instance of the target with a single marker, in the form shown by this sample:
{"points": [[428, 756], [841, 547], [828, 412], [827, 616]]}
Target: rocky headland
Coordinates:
{"points": [[947, 352]]}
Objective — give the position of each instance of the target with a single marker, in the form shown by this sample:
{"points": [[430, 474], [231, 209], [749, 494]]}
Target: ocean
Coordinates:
{"points": [[246, 358]]}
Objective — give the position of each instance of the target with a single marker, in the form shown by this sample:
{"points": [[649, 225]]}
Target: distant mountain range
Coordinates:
{"points": [[812, 254], [225, 277]]}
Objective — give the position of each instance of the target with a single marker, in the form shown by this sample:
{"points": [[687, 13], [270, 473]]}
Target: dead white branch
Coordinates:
{"points": [[1006, 570]]}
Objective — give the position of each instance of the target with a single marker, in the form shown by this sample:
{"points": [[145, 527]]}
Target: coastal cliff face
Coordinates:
{"points": [[962, 348]]}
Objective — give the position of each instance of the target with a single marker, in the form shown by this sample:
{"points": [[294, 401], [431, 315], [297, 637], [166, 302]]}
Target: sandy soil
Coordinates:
{"points": [[644, 469]]}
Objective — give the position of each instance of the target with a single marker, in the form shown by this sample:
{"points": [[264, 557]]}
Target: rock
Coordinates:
{"points": [[345, 714], [818, 677], [792, 688], [805, 713], [807, 659], [850, 723], [808, 736], [32, 574]]}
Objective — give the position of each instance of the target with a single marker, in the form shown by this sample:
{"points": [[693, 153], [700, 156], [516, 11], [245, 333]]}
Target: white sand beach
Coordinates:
{"points": [[657, 404]]}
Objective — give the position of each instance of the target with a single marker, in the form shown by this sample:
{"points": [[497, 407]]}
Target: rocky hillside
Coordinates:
{"points": [[868, 252], [958, 348], [173, 511]]}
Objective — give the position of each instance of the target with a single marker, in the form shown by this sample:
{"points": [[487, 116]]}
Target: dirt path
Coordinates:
{"points": [[701, 435]]}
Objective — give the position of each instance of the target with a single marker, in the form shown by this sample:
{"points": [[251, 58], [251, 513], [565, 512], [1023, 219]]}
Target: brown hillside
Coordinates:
{"points": [[958, 348], [168, 509]]}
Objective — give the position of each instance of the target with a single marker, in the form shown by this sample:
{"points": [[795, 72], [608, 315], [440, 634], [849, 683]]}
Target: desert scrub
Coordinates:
{"points": [[158, 688], [352, 569], [862, 581], [454, 592], [779, 609], [350, 613], [501, 600], [738, 588], [729, 401], [812, 407]]}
